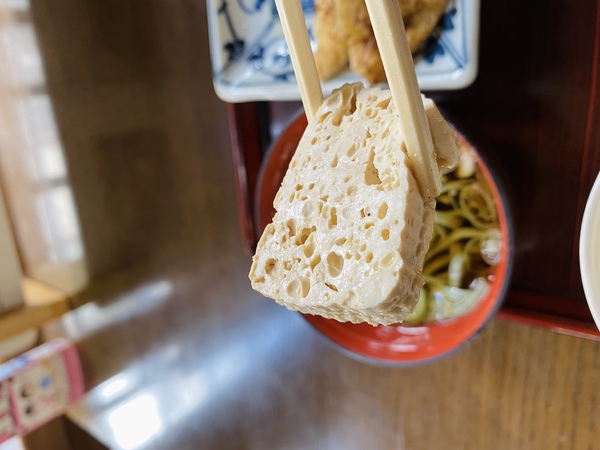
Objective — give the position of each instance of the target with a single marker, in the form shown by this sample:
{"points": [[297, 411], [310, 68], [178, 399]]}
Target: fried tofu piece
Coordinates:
{"points": [[351, 227]]}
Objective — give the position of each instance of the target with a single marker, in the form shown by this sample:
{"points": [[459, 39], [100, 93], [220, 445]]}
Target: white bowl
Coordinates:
{"points": [[251, 62], [589, 251]]}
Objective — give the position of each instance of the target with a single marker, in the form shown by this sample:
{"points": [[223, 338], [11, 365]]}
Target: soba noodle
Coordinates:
{"points": [[465, 246]]}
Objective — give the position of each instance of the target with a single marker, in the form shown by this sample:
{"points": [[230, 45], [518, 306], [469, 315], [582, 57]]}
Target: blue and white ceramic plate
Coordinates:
{"points": [[251, 61]]}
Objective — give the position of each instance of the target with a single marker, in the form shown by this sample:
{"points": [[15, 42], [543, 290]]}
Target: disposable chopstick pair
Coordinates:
{"points": [[388, 27]]}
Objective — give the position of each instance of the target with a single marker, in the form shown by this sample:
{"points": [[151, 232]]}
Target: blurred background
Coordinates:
{"points": [[111, 127], [119, 230]]}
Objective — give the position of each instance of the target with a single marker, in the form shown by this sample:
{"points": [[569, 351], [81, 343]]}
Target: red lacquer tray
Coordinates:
{"points": [[563, 309], [534, 108]]}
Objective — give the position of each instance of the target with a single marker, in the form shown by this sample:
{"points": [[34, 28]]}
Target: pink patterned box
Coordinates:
{"points": [[38, 386]]}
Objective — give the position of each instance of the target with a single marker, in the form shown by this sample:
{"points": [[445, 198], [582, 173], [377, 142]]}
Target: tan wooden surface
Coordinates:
{"points": [[11, 296], [254, 375], [42, 304]]}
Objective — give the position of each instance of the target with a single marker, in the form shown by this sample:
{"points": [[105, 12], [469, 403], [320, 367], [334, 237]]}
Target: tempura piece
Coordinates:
{"points": [[332, 55], [348, 29]]}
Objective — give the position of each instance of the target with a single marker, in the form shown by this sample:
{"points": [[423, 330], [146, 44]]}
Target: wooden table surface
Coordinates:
{"points": [[180, 353], [226, 369]]}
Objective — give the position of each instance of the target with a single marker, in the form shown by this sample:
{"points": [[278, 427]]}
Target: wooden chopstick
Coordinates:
{"points": [[390, 35], [305, 68]]}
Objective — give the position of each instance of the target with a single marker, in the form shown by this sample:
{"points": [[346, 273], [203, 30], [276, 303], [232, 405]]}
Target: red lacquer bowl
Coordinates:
{"points": [[395, 345]]}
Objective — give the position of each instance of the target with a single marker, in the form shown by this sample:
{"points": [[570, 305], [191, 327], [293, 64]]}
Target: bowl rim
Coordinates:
{"points": [[504, 211], [588, 259]]}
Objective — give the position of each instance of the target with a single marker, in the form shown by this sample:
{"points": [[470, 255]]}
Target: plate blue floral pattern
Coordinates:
{"points": [[251, 61]]}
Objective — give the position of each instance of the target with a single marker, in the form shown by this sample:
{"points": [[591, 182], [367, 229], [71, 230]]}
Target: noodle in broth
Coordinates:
{"points": [[464, 248]]}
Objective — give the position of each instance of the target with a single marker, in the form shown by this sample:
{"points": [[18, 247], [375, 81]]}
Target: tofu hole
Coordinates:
{"points": [[304, 234], [334, 162], [299, 287], [371, 172], [382, 212], [332, 287], [270, 265], [332, 218], [335, 264], [309, 209], [371, 113], [291, 226], [351, 151], [383, 104], [309, 247], [388, 259], [323, 117]]}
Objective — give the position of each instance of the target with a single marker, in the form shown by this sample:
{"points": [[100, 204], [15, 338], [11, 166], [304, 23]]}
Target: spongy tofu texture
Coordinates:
{"points": [[351, 229]]}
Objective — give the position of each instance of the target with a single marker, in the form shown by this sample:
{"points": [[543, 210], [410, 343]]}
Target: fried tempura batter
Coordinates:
{"points": [[334, 57], [344, 34]]}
